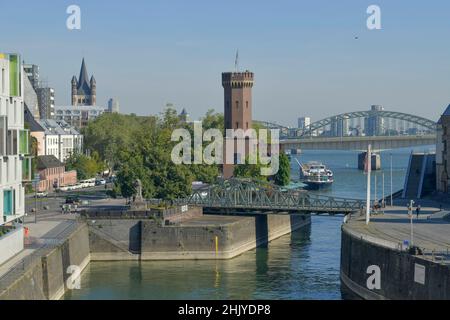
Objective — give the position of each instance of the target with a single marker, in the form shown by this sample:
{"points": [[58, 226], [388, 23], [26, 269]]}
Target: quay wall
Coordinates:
{"points": [[403, 276], [45, 276], [191, 241]]}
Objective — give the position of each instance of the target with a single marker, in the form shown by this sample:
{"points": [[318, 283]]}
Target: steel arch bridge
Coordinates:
{"points": [[294, 132], [250, 196], [423, 122]]}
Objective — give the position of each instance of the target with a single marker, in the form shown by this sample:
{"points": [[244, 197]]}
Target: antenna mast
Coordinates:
{"points": [[236, 62]]}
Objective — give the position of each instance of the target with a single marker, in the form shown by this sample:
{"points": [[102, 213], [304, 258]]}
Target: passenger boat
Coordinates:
{"points": [[315, 175]]}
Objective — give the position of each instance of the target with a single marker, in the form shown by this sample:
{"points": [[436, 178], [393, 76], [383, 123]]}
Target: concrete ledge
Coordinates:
{"points": [[358, 290], [194, 239]]}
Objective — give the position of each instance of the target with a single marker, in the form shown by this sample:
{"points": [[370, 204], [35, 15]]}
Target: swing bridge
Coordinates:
{"points": [[244, 196]]}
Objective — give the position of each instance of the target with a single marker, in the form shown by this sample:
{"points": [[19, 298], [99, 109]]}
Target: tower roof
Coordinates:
{"points": [[447, 111], [83, 81]]}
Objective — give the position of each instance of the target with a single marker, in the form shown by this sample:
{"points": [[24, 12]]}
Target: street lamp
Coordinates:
{"points": [[392, 202]]}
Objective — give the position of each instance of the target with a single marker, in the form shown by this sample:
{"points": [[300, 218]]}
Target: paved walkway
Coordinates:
{"points": [[430, 231]]}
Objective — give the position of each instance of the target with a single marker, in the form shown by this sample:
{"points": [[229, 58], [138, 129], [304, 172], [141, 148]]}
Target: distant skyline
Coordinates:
{"points": [[310, 58]]}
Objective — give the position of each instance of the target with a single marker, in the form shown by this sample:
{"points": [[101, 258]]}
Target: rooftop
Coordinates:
{"points": [[46, 162], [56, 127]]}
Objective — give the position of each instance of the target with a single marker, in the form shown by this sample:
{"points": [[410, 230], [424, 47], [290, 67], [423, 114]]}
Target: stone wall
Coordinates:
{"points": [[400, 272], [45, 277], [231, 236]]}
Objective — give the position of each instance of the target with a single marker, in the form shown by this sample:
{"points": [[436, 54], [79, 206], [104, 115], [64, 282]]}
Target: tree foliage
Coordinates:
{"points": [[283, 176], [86, 167], [140, 148]]}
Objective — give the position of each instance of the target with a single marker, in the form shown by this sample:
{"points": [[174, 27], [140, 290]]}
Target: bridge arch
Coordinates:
{"points": [[423, 122]]}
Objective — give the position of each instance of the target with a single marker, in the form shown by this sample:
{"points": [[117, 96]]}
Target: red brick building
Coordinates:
{"points": [[53, 174]]}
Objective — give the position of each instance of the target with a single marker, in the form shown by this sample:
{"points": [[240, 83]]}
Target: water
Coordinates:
{"points": [[303, 265]]}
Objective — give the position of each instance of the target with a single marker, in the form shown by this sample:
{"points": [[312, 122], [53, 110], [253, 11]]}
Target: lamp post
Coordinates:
{"points": [[36, 183], [392, 202]]}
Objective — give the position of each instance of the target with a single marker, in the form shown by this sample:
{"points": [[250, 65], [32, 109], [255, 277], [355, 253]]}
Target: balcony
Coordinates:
{"points": [[24, 142], [26, 169], [11, 242]]}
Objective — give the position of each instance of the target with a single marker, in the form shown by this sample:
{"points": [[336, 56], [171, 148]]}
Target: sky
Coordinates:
{"points": [[305, 55]]}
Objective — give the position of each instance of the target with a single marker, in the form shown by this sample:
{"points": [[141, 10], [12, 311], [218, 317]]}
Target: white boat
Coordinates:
{"points": [[316, 175]]}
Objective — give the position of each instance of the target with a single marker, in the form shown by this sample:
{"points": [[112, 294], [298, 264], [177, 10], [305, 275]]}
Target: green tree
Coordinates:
{"points": [[86, 167], [283, 176]]}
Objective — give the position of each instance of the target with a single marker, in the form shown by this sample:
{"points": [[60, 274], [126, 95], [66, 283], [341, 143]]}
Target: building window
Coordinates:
{"points": [[237, 104], [7, 202], [237, 124], [246, 124], [246, 104]]}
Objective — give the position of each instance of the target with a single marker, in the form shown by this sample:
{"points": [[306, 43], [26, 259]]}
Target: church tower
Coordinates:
{"points": [[84, 91]]}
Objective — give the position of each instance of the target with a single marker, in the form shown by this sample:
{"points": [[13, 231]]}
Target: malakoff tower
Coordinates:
{"points": [[237, 109]]}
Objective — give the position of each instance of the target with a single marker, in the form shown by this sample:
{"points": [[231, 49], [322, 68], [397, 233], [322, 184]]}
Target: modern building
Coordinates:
{"points": [[32, 73], [84, 91], [443, 153], [237, 111], [15, 166], [339, 127], [44, 94], [113, 105], [30, 98], [56, 138], [53, 175], [46, 98], [78, 116], [304, 123], [374, 124]]}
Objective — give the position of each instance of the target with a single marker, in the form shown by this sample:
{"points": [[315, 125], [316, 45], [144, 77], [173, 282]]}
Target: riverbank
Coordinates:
{"points": [[380, 251], [198, 237]]}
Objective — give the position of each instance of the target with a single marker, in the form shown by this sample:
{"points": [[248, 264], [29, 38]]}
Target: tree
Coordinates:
{"points": [[283, 176], [140, 148], [86, 167]]}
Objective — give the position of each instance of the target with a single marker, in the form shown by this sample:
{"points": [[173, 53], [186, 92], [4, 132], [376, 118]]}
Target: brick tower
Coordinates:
{"points": [[238, 107]]}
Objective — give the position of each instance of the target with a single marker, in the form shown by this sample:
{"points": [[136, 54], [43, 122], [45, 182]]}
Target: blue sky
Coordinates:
{"points": [[304, 54]]}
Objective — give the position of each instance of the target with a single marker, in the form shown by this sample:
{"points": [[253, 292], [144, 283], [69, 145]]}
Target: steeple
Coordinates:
{"points": [[84, 90]]}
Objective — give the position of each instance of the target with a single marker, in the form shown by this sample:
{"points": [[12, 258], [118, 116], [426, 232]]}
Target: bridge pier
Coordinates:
{"points": [[376, 161]]}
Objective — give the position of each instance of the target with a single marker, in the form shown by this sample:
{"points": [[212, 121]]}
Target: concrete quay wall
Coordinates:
{"points": [[196, 239], [45, 276], [402, 276]]}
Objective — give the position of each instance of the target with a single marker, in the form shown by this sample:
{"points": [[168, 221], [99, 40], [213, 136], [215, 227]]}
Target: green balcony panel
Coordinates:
{"points": [[26, 169], [14, 75], [23, 142]]}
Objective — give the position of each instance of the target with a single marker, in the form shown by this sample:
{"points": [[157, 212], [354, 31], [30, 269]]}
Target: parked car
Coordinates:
{"points": [[100, 182], [41, 194]]}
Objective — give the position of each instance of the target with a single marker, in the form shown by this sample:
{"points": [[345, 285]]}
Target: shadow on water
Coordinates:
{"points": [[261, 230]]}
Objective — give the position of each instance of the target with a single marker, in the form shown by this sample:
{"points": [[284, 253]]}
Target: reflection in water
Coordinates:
{"points": [[303, 265]]}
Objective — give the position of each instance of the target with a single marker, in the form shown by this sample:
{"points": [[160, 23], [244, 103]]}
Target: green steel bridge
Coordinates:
{"points": [[249, 196]]}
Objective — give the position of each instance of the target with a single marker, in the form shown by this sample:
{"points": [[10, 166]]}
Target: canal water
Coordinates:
{"points": [[303, 265]]}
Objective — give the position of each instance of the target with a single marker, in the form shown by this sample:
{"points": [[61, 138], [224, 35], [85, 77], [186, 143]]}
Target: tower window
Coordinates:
{"points": [[237, 124], [246, 124], [246, 104], [237, 104]]}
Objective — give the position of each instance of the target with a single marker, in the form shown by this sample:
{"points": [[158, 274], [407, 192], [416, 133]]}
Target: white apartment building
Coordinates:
{"points": [[57, 138], [15, 166]]}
